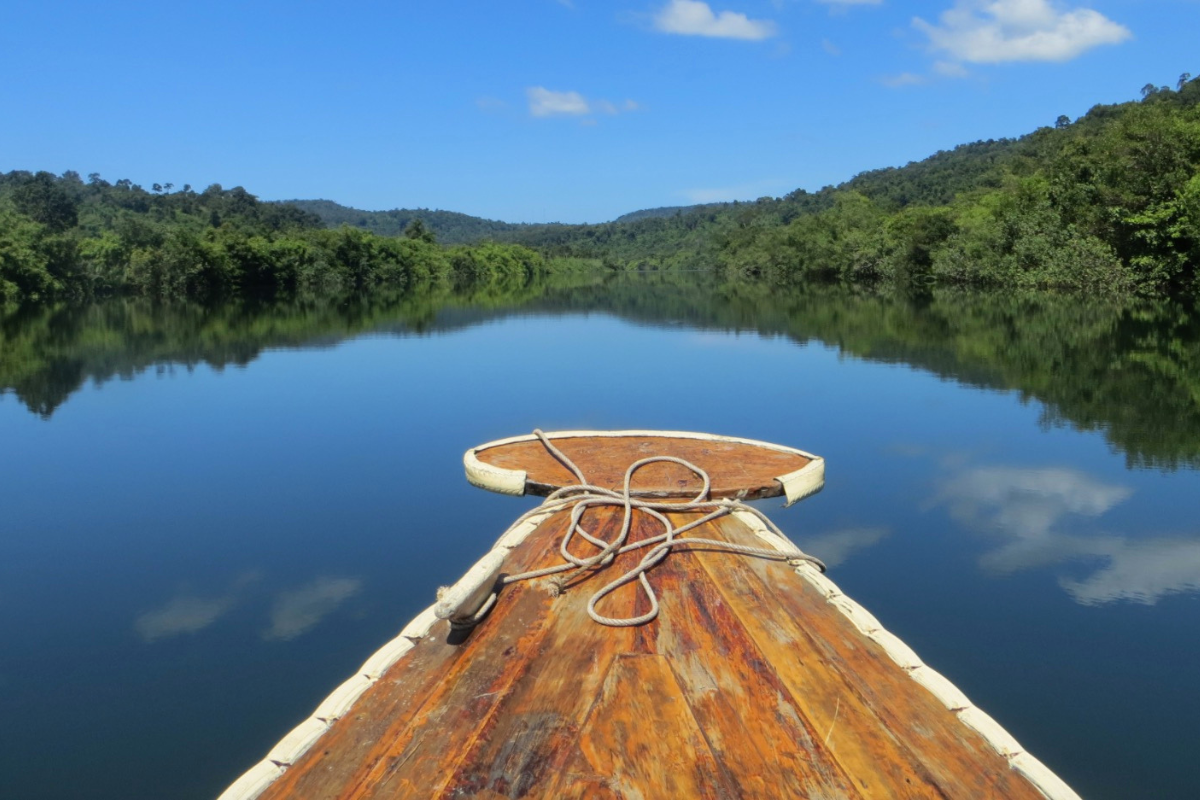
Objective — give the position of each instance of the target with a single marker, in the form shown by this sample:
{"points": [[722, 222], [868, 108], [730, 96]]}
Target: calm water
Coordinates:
{"points": [[209, 517]]}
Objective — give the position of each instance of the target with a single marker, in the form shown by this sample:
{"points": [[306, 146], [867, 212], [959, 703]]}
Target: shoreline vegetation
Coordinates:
{"points": [[1126, 368], [1105, 205]]}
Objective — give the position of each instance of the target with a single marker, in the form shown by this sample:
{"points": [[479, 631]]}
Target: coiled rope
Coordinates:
{"points": [[582, 496]]}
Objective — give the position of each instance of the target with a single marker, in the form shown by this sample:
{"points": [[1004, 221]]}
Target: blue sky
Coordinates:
{"points": [[554, 110]]}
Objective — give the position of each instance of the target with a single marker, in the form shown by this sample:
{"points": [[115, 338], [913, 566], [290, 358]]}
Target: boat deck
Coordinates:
{"points": [[757, 680]]}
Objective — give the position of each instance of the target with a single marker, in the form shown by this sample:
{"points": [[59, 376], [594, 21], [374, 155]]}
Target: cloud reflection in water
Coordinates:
{"points": [[1026, 503], [187, 612], [299, 610], [836, 546], [1028, 507]]}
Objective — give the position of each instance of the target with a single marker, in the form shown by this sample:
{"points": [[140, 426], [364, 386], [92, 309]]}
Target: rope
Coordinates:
{"points": [[582, 496]]}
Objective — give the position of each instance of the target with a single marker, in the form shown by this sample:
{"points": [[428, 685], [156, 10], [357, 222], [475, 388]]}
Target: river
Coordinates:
{"points": [[210, 515]]}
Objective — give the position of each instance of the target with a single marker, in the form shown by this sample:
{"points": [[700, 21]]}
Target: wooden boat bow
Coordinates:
{"points": [[758, 678]]}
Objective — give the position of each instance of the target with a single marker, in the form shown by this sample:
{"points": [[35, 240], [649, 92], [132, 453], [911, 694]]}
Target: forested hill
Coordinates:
{"points": [[64, 237], [701, 236], [1105, 204], [1108, 203], [449, 227], [665, 211]]}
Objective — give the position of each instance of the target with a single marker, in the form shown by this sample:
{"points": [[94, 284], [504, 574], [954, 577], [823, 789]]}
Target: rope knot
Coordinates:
{"points": [[582, 496]]}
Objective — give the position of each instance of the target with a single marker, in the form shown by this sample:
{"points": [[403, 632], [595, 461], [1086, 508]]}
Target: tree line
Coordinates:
{"points": [[1108, 203], [64, 237], [1105, 204], [450, 227]]}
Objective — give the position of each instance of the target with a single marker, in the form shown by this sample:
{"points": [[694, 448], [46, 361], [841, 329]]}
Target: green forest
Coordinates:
{"points": [[450, 227], [1107, 204], [63, 237]]}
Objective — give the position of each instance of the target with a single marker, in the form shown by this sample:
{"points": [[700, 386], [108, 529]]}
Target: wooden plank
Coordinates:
{"points": [[758, 731], [352, 744], [891, 735], [735, 468], [532, 731], [463, 706], [402, 722], [747, 685], [641, 740]]}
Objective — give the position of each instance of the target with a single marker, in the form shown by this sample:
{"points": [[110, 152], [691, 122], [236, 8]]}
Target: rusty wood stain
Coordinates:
{"points": [[752, 722], [642, 738]]}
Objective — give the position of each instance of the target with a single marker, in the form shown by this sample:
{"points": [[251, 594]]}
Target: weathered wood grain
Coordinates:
{"points": [[534, 728], [642, 741], [748, 685], [755, 727], [735, 468], [402, 724], [892, 735]]}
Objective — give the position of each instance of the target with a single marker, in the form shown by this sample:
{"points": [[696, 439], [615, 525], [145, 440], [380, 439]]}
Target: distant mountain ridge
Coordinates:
{"points": [[665, 211], [1108, 204], [450, 227], [453, 227]]}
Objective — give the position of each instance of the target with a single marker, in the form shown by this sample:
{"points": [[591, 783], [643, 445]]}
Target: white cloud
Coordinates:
{"points": [[297, 611], [1137, 571], [695, 18], [950, 69], [1027, 503], [851, 2], [995, 31], [1029, 506], [941, 69], [830, 47], [546, 103], [183, 614], [490, 104], [835, 547], [189, 613], [903, 79], [1141, 572]]}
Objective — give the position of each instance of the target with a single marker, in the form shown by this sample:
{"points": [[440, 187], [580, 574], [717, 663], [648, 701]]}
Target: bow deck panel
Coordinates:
{"points": [[737, 468], [749, 684]]}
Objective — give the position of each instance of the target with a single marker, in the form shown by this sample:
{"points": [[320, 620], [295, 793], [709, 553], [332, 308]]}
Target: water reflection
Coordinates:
{"points": [[1129, 371], [293, 612], [836, 546], [1026, 503], [292, 463], [188, 612], [1137, 571], [1033, 510], [298, 611]]}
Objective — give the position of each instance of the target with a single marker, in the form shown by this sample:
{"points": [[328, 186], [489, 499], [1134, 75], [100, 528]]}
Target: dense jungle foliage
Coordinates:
{"points": [[450, 227], [63, 237], [1109, 203]]}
